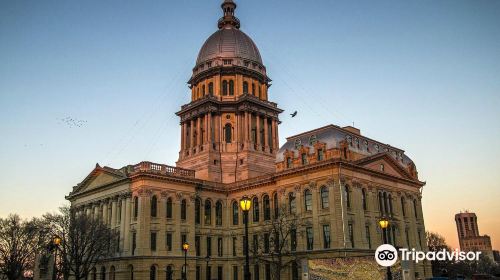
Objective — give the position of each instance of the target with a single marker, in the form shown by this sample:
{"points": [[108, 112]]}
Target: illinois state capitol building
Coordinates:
{"points": [[336, 180]]}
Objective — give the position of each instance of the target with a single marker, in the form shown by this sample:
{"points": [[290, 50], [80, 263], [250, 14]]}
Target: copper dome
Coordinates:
{"points": [[229, 42]]}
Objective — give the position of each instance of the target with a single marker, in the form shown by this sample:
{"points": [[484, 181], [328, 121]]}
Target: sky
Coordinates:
{"points": [[86, 82]]}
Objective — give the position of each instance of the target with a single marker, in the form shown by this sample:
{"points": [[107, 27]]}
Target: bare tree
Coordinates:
{"points": [[276, 246], [20, 241], [84, 242]]}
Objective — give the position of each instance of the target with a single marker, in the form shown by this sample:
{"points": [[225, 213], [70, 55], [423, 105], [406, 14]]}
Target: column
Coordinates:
{"points": [[113, 212], [266, 137], [198, 131], [126, 222], [275, 134], [257, 128], [183, 129], [209, 127], [191, 133], [122, 223], [105, 211], [245, 128]]}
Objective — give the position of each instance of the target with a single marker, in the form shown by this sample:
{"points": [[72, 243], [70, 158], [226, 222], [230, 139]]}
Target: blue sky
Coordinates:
{"points": [[423, 76]]}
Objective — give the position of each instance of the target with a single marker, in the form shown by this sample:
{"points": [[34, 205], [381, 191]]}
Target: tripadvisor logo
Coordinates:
{"points": [[386, 255]]}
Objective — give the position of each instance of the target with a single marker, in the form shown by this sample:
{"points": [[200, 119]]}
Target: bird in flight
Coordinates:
{"points": [[293, 114]]}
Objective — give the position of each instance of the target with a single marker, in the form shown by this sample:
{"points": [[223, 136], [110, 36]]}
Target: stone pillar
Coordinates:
{"points": [[209, 127], [126, 222], [266, 136], [122, 222], [198, 131], [113, 212], [245, 128], [105, 212], [191, 133], [257, 128], [183, 130]]}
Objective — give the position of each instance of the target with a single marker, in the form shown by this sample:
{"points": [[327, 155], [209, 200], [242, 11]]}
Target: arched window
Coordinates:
{"points": [[183, 209], [403, 206], [203, 90], [231, 87], [260, 95], [169, 272], [363, 198], [253, 89], [347, 196], [308, 200], [94, 273], [255, 209], [169, 207], [152, 273], [112, 273], [295, 271], [291, 203], [267, 208], [224, 87], [276, 205], [389, 198], [103, 273], [325, 203], [228, 132], [131, 272], [415, 208], [245, 87], [218, 213], [211, 88], [235, 213], [197, 211], [136, 207], [154, 206], [208, 212]]}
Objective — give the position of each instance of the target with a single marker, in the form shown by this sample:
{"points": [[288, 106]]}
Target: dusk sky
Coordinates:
{"points": [[86, 82]]}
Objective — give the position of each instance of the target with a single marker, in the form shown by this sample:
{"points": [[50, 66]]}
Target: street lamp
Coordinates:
{"points": [[56, 241], [384, 223], [185, 248], [245, 204]]}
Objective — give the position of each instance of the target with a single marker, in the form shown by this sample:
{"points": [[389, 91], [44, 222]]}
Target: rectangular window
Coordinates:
{"points": [[169, 242], [183, 240], [266, 242], [320, 154], [235, 273], [134, 242], [256, 272], [293, 240], [219, 247], [407, 233], [309, 237], [268, 271], [209, 246], [209, 273], [197, 244], [368, 237], [288, 162], [255, 239], [219, 273], [351, 234], [326, 236], [198, 271], [153, 241], [234, 246], [420, 239], [304, 158]]}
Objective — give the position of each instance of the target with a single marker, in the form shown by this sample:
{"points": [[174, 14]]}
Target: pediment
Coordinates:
{"points": [[100, 176], [390, 166]]}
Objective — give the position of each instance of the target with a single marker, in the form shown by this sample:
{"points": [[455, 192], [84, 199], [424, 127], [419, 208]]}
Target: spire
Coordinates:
{"points": [[228, 20]]}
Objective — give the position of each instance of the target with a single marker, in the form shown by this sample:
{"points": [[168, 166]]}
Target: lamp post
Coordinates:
{"points": [[245, 204], [185, 248], [384, 223], [56, 241]]}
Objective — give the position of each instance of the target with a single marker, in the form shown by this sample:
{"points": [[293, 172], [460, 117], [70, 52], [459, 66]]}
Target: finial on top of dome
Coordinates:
{"points": [[228, 20]]}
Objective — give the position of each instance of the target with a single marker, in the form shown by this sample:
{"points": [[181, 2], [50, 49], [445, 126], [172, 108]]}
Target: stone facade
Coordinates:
{"points": [[469, 237], [341, 182]]}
